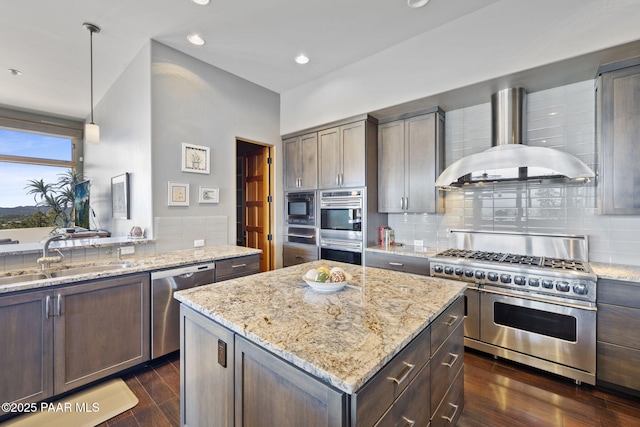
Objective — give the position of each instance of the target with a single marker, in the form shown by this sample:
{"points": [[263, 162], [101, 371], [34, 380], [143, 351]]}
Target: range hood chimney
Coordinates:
{"points": [[509, 159]]}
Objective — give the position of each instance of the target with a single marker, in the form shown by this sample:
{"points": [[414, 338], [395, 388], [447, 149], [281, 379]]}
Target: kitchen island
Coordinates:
{"points": [[268, 350]]}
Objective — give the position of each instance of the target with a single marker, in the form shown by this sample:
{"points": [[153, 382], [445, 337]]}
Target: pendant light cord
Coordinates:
{"points": [[92, 29]]}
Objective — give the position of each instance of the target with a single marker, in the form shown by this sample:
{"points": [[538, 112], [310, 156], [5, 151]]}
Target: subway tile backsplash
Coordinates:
{"points": [[561, 118]]}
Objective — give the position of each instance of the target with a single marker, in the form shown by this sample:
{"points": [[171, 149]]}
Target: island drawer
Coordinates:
{"points": [[446, 323], [451, 407], [445, 365], [232, 268], [375, 397], [410, 406], [405, 264]]}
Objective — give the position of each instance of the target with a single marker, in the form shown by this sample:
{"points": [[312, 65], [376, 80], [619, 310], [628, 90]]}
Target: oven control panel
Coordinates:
{"points": [[533, 281]]}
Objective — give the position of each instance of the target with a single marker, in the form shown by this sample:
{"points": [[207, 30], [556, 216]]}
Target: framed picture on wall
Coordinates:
{"points": [[195, 158], [120, 197], [208, 195], [178, 194]]}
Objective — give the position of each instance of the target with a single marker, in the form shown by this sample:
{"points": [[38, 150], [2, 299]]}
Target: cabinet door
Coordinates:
{"points": [[206, 371], [101, 328], [271, 392], [420, 164], [292, 163], [329, 158], [353, 155], [309, 162], [26, 345], [391, 167], [619, 129]]}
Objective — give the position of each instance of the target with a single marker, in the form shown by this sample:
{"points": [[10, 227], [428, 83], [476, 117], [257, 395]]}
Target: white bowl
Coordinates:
{"points": [[327, 287]]}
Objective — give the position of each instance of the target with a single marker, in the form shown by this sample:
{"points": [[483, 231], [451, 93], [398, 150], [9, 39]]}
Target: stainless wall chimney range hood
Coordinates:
{"points": [[509, 159]]}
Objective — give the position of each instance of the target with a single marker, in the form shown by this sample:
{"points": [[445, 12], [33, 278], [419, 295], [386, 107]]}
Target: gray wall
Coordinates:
{"points": [[196, 103]]}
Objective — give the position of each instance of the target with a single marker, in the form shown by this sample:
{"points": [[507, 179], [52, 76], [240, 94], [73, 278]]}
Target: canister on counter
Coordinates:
{"points": [[381, 230]]}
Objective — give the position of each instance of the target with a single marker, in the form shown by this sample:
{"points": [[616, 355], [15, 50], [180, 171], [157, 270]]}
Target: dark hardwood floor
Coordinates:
{"points": [[497, 393]]}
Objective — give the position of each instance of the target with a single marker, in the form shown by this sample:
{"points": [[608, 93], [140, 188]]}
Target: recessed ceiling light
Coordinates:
{"points": [[195, 39], [417, 3], [201, 2], [302, 59], [15, 72]]}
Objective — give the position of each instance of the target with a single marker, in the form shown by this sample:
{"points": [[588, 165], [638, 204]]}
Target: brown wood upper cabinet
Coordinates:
{"points": [[410, 158], [301, 162], [618, 131]]}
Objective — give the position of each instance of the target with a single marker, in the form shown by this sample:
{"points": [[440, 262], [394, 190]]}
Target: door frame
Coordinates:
{"points": [[270, 154]]}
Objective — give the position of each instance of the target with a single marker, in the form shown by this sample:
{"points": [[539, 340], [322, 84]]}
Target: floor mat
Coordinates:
{"points": [[86, 408]]}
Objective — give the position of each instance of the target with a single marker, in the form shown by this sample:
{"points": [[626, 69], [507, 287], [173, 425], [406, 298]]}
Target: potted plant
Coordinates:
{"points": [[56, 197]]}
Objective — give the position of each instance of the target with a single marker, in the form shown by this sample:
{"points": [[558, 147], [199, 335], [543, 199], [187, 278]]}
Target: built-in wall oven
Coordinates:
{"points": [[532, 309], [300, 208], [341, 225]]}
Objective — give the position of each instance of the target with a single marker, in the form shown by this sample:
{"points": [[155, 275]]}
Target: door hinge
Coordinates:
{"points": [[269, 198], [269, 237], [269, 160]]}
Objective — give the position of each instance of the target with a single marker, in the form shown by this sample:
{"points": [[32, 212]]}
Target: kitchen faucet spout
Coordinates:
{"points": [[46, 260]]}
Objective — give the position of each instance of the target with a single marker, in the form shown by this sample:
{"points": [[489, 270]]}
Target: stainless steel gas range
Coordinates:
{"points": [[531, 298]]}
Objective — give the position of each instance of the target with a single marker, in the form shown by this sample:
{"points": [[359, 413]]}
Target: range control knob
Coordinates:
{"points": [[459, 271], [534, 282], [492, 276], [479, 274], [468, 273], [448, 270], [437, 268], [520, 280], [563, 286], [505, 278], [580, 289], [547, 284]]}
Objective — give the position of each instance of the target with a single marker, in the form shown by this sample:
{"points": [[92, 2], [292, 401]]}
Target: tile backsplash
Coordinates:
{"points": [[561, 118]]}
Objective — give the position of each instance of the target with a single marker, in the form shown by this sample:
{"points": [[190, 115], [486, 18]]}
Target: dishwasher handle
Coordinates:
{"points": [[183, 271]]}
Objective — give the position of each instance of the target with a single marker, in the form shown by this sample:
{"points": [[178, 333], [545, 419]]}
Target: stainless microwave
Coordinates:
{"points": [[300, 208]]}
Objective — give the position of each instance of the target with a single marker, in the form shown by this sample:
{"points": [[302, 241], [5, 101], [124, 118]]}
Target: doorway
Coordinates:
{"points": [[254, 201]]}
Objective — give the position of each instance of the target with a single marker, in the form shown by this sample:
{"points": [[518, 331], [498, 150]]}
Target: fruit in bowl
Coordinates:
{"points": [[325, 275]]}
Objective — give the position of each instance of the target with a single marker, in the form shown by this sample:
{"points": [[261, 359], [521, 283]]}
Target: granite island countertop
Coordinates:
{"points": [[141, 263], [342, 338]]}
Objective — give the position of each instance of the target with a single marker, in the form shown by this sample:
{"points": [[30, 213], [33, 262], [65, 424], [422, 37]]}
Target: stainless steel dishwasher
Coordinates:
{"points": [[165, 310]]}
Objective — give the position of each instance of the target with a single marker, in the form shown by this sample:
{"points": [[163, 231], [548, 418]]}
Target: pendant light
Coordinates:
{"points": [[91, 130]]}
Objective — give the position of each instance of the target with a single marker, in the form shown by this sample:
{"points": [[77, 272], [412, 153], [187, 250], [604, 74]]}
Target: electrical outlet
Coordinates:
{"points": [[127, 250], [198, 243]]}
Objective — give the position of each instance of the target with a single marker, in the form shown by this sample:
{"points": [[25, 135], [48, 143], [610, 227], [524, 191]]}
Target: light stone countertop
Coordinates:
{"points": [[342, 338], [627, 273], [142, 263], [404, 250]]}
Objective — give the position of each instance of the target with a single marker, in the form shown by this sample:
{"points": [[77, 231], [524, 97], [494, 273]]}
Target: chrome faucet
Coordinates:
{"points": [[46, 260]]}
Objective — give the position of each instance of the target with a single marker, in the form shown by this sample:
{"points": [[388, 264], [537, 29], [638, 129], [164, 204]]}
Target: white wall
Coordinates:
{"points": [[124, 117], [197, 103], [504, 38]]}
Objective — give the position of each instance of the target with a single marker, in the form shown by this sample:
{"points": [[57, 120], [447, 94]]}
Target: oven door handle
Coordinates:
{"points": [[302, 236], [341, 243], [533, 298]]}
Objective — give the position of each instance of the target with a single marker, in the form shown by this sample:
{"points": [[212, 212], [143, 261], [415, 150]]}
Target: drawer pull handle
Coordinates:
{"points": [[408, 367], [452, 320], [397, 264], [454, 357], [455, 409], [409, 423], [239, 265]]}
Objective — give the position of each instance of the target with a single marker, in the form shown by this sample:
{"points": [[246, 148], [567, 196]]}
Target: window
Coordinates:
{"points": [[31, 150]]}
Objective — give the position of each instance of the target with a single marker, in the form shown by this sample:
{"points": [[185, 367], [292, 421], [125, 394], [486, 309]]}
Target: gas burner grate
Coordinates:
{"points": [[515, 259], [564, 264]]}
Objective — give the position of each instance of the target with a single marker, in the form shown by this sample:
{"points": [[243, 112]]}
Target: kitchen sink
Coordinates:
{"points": [[10, 280], [91, 269]]}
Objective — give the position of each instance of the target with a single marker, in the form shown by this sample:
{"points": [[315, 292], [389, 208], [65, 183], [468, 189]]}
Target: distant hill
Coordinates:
{"points": [[20, 211]]}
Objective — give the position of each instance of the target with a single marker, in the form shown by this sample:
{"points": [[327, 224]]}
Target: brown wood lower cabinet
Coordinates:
{"points": [[232, 268], [56, 340], [419, 385]]}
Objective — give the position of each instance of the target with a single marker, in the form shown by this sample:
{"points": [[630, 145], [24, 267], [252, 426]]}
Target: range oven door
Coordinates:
{"points": [[560, 333]]}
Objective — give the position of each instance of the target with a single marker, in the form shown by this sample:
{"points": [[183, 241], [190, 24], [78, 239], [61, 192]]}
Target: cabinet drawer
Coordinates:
{"points": [[293, 254], [445, 364], [405, 264], [412, 406], [237, 267], [451, 407], [383, 389], [446, 323], [619, 325], [619, 293], [618, 365]]}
